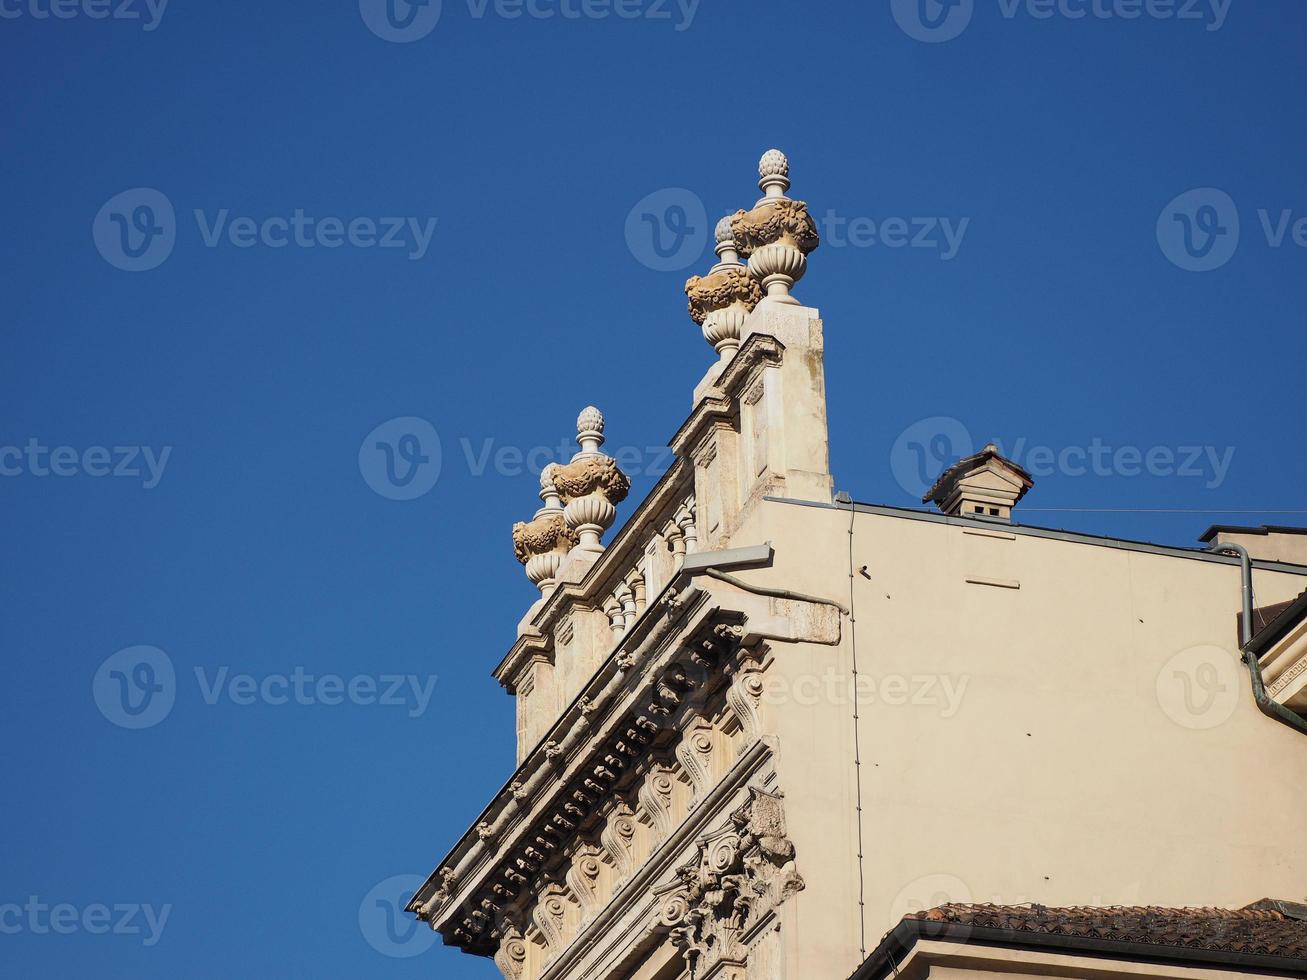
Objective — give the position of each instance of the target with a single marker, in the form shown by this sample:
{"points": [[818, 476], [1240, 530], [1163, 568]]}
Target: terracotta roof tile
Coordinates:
{"points": [[1255, 930]]}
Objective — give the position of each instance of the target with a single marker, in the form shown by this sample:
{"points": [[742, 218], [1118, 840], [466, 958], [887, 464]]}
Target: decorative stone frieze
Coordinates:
{"points": [[778, 234], [542, 544], [591, 485], [740, 875]]}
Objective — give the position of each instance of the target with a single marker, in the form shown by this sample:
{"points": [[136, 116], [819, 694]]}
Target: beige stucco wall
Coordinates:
{"points": [[1054, 771]]}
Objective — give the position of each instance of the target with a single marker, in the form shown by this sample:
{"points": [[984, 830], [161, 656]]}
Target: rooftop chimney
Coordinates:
{"points": [[984, 485]]}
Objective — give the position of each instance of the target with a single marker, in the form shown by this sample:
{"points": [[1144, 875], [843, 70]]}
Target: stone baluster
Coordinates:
{"points": [[685, 520], [626, 599], [543, 543], [616, 620], [675, 543], [591, 485], [722, 300], [636, 584], [778, 234]]}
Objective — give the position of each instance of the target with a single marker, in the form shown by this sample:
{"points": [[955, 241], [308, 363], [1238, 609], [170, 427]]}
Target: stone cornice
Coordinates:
{"points": [[556, 792], [616, 560]]}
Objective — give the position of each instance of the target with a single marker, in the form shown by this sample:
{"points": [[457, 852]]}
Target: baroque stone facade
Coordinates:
{"points": [[709, 785]]}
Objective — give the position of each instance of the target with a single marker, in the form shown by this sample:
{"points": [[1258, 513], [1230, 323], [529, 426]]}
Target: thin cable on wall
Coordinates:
{"points": [[857, 742]]}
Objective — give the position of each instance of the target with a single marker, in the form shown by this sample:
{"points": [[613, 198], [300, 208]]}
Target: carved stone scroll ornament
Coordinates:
{"points": [[720, 302], [740, 874], [591, 485], [511, 957]]}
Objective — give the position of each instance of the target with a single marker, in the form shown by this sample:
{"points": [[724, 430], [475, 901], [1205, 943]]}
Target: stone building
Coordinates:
{"points": [[765, 731]]}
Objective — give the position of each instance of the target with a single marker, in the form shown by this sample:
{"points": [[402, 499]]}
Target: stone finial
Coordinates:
{"points": [[778, 234], [542, 543], [590, 429], [727, 254], [774, 174], [591, 485]]}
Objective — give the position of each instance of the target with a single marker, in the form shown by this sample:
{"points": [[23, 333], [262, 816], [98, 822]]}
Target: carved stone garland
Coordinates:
{"points": [[722, 300], [740, 874], [543, 543]]}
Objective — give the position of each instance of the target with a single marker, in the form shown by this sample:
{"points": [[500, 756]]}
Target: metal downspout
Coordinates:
{"points": [[1269, 707]]}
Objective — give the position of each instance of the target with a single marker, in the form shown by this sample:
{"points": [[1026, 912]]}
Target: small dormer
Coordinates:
{"points": [[985, 486]]}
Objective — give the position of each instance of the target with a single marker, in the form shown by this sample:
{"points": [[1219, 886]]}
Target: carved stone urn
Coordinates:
{"points": [[778, 234], [721, 300], [591, 486], [543, 543]]}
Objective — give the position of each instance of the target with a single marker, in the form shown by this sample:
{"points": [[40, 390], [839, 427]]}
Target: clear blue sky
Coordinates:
{"points": [[1058, 322]]}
